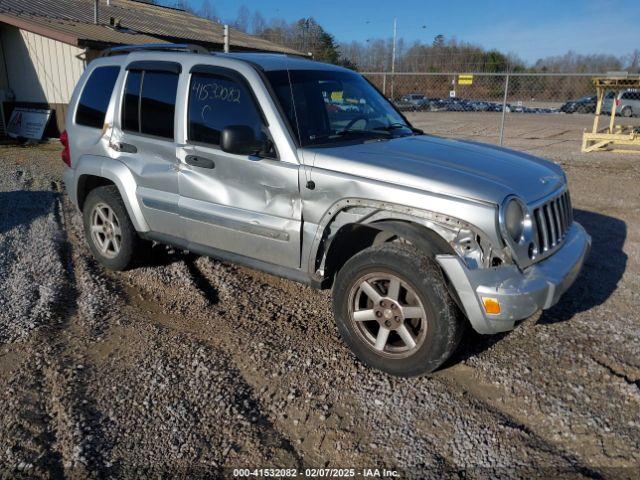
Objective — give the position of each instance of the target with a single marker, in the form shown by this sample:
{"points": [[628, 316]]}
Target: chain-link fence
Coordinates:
{"points": [[502, 104]]}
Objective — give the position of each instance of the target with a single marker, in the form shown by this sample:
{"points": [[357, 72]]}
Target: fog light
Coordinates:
{"points": [[491, 305]]}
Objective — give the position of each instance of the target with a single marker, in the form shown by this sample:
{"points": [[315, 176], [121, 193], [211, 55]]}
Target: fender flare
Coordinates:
{"points": [[121, 176], [375, 214], [422, 237]]}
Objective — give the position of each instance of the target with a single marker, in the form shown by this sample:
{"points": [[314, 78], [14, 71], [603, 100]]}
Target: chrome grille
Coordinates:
{"points": [[553, 220]]}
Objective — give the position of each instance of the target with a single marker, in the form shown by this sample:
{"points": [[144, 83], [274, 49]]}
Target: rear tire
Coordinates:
{"points": [[626, 112], [393, 310], [110, 234]]}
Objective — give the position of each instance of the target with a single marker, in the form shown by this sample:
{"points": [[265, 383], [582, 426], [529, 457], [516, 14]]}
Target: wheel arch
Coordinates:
{"points": [[88, 182], [361, 224], [93, 172]]}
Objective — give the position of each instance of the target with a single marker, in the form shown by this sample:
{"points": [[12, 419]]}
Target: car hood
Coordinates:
{"points": [[451, 167]]}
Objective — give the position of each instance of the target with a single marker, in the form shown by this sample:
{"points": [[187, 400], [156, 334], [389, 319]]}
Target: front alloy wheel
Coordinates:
{"points": [[393, 309], [387, 315]]}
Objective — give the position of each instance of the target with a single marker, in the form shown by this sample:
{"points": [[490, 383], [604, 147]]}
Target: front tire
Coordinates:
{"points": [[393, 310], [109, 232]]}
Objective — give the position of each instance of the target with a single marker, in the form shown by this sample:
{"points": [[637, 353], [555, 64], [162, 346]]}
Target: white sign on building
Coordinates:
{"points": [[28, 122]]}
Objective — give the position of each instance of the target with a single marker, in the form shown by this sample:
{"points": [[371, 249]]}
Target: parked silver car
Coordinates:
{"points": [[243, 157], [627, 102], [418, 100]]}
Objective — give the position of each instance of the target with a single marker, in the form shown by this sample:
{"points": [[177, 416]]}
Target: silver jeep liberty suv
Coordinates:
{"points": [[304, 170]]}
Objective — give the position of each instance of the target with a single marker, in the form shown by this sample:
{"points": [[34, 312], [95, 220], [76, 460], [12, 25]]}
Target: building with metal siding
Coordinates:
{"points": [[39, 71], [46, 44]]}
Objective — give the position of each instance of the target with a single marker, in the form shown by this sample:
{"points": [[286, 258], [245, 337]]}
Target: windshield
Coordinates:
{"points": [[328, 106]]}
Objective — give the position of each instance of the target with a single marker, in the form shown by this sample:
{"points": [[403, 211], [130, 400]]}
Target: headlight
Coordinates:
{"points": [[514, 217], [516, 226]]}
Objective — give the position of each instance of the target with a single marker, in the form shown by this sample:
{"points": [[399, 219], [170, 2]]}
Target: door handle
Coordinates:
{"points": [[124, 147], [196, 161]]}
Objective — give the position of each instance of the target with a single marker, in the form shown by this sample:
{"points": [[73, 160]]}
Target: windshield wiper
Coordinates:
{"points": [[396, 126], [349, 131], [352, 133]]}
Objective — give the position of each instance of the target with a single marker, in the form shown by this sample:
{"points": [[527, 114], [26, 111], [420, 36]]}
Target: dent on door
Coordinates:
{"points": [[250, 206], [153, 167]]}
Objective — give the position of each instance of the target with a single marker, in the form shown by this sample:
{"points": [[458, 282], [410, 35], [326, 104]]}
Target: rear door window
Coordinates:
{"points": [[149, 102], [158, 103], [217, 101], [131, 105], [95, 97]]}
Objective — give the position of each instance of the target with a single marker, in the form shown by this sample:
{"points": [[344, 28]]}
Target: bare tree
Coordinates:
{"points": [[258, 23], [208, 11], [575, 62], [634, 61], [242, 19]]}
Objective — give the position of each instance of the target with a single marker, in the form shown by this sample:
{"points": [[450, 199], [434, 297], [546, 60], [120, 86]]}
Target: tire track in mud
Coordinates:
{"points": [[240, 291], [91, 323], [182, 270], [80, 437], [201, 277], [465, 381], [35, 292], [50, 417], [503, 413]]}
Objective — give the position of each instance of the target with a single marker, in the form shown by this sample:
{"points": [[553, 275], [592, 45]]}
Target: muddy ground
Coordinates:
{"points": [[187, 366]]}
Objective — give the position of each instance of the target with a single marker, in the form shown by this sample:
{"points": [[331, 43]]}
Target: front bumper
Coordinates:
{"points": [[521, 293]]}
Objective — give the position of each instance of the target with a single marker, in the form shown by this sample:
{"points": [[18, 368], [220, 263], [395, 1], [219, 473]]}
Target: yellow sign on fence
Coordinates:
{"points": [[336, 96], [465, 79]]}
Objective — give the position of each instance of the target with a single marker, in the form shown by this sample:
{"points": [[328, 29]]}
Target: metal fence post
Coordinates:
{"points": [[384, 84], [504, 107]]}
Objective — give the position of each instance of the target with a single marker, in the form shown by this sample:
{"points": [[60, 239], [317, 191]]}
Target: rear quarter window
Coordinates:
{"points": [[95, 97]]}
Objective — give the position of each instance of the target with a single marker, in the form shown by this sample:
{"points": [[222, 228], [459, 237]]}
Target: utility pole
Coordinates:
{"points": [[393, 55], [225, 34]]}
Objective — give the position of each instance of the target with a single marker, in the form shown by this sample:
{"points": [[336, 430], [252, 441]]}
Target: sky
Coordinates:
{"points": [[529, 28]]}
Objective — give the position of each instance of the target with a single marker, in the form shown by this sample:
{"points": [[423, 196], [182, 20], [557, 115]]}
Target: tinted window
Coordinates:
{"points": [[149, 102], [158, 103], [95, 97], [215, 102], [130, 108], [333, 106]]}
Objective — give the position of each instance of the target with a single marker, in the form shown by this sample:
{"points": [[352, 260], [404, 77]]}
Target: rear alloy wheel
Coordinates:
{"points": [[393, 310], [110, 234], [105, 230], [626, 112]]}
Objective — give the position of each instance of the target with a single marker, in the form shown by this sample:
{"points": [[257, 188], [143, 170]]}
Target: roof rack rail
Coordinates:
{"points": [[155, 47]]}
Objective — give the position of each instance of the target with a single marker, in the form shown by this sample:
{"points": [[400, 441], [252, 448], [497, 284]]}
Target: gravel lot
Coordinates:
{"points": [[188, 366]]}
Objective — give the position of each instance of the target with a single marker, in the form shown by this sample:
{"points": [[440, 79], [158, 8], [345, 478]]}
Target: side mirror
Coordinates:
{"points": [[240, 140]]}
